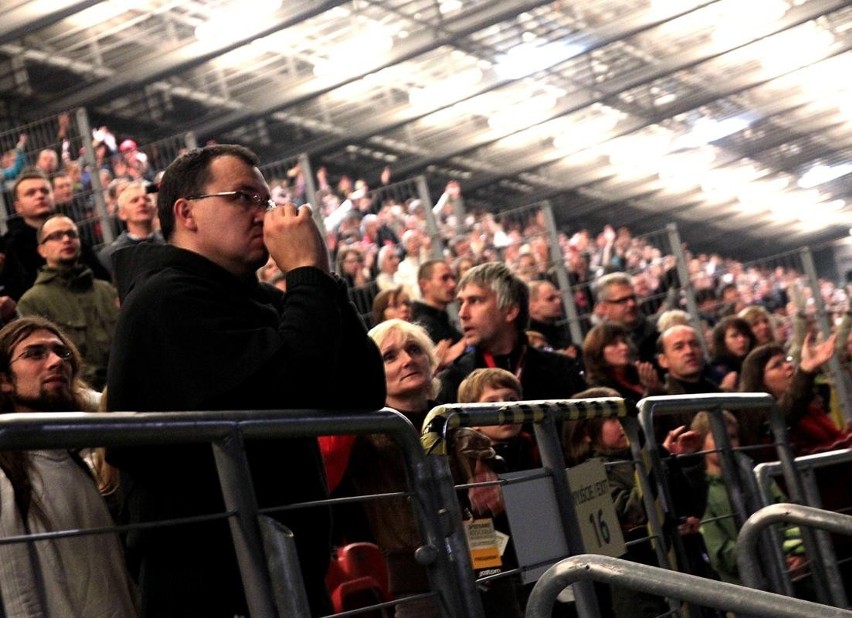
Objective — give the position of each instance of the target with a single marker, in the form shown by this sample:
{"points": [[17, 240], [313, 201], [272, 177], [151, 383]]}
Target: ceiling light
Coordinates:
{"points": [[528, 58], [795, 48], [446, 90], [449, 6], [708, 130], [236, 20], [820, 174], [738, 22], [360, 51], [522, 114]]}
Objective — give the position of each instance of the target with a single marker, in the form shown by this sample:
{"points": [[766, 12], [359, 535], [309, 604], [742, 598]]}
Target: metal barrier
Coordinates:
{"points": [[532, 247], [651, 408], [826, 579], [444, 553], [544, 416], [654, 580], [806, 466], [783, 513]]}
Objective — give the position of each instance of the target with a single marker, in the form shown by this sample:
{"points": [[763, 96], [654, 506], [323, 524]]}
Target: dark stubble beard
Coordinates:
{"points": [[49, 401]]}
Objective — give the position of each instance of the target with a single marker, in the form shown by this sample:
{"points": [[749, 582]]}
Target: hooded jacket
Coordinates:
{"points": [[192, 336], [85, 308]]}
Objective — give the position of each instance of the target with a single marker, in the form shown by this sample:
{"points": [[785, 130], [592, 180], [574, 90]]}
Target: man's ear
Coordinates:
{"points": [[6, 385], [662, 361], [184, 217], [41, 251], [512, 313]]}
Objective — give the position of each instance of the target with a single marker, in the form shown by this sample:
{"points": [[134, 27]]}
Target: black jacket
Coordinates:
{"points": [[436, 322], [544, 375], [191, 336]]}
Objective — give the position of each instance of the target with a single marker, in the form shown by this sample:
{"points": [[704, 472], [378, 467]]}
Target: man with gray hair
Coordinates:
{"points": [[617, 302], [494, 313]]}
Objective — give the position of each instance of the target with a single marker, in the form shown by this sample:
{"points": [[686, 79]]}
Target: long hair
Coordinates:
{"points": [[754, 365], [602, 335], [579, 437], [720, 349], [16, 464]]}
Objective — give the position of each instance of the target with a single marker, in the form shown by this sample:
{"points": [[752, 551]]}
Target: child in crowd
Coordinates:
{"points": [[511, 449], [718, 526], [606, 439]]}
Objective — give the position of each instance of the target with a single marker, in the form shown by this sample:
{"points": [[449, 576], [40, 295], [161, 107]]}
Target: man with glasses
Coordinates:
{"points": [[617, 302], [197, 331], [34, 202], [52, 490], [67, 293]]}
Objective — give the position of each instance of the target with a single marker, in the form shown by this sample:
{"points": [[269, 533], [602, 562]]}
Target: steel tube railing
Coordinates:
{"points": [[783, 512], [449, 570], [655, 580]]}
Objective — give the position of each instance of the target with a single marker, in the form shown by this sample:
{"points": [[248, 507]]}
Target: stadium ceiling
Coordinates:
{"points": [[732, 118]]}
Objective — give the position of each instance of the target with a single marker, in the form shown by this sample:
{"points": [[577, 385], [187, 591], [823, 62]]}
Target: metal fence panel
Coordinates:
{"points": [[677, 585], [444, 550]]}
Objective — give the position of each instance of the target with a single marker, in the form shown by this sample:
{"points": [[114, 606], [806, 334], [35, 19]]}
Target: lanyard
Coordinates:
{"points": [[489, 360]]}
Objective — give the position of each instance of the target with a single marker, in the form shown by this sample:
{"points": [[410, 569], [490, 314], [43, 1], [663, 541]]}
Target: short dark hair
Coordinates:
{"points": [[30, 173], [426, 268], [188, 174]]}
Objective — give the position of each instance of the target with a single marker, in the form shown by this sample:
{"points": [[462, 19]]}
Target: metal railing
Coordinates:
{"points": [[810, 517], [654, 580], [444, 552], [545, 417], [806, 467]]}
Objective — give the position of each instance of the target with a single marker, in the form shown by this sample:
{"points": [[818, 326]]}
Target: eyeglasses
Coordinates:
{"points": [[621, 301], [243, 198], [41, 351], [60, 234]]}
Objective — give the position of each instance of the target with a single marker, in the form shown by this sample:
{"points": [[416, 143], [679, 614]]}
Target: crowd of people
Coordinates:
{"points": [[221, 296]]}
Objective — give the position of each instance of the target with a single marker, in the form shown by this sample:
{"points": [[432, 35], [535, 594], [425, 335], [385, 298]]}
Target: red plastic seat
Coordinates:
{"points": [[358, 577]]}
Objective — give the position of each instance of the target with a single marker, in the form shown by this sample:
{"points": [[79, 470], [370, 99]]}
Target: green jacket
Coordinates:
{"points": [[720, 531], [85, 308]]}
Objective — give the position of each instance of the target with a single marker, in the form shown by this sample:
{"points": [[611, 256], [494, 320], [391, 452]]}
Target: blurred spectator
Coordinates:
{"points": [[732, 341], [14, 160], [390, 304], [139, 214], [617, 302], [546, 316]]}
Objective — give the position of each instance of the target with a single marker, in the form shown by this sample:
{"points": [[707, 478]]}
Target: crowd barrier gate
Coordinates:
{"points": [[806, 466], [654, 580], [784, 513], [444, 553], [654, 407], [544, 416]]}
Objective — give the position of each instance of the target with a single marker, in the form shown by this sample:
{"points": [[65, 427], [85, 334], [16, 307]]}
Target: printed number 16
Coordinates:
{"points": [[601, 528]]}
